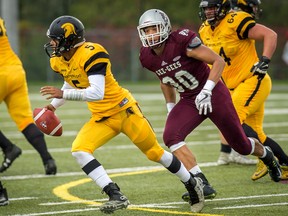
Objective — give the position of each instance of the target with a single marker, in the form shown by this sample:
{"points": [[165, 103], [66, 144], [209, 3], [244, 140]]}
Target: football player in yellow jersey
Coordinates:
{"points": [[232, 34], [14, 92], [87, 74]]}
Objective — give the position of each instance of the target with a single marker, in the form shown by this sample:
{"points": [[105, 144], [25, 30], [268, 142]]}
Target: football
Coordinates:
{"points": [[47, 121]]}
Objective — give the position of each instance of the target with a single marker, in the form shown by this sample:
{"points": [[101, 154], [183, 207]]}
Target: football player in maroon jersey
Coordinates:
{"points": [[179, 60]]}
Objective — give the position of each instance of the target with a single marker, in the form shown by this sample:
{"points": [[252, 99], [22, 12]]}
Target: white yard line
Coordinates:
{"points": [[58, 212], [109, 171], [253, 206]]}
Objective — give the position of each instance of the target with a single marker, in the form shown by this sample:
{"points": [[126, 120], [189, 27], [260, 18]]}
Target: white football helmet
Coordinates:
{"points": [[158, 18]]}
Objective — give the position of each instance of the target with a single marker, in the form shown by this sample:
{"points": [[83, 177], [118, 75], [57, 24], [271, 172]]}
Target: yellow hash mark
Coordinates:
{"points": [[62, 192], [172, 212]]}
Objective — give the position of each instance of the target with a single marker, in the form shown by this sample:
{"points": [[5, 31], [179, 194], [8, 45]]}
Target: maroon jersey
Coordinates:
{"points": [[174, 67], [188, 76]]}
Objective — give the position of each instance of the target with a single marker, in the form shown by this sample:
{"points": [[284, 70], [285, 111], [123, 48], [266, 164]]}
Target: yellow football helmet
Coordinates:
{"points": [[221, 8], [250, 6]]}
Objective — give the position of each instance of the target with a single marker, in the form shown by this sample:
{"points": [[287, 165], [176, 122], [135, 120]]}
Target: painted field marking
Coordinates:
{"points": [[62, 192], [252, 206]]}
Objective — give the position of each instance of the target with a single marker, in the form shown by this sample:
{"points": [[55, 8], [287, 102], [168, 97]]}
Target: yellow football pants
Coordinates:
{"points": [[14, 92], [130, 122], [249, 101]]}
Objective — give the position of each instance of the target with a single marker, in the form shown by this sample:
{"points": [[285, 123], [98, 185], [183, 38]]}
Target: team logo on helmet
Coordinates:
{"points": [[68, 29]]}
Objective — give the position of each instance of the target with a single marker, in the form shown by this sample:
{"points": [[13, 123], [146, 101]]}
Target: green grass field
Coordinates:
{"points": [[151, 190]]}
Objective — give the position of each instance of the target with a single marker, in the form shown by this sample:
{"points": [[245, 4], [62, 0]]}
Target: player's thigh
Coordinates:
{"points": [[92, 135], [225, 117], [181, 121], [250, 96], [3, 86], [18, 102], [140, 132]]}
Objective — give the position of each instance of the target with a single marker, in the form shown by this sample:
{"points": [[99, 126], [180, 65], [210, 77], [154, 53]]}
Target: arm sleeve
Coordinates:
{"points": [[96, 89], [94, 92]]}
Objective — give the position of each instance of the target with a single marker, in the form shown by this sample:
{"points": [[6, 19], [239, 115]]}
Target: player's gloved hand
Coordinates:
{"points": [[203, 102], [260, 68]]}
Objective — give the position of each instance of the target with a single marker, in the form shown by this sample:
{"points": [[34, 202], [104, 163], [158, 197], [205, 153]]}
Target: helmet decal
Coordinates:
{"points": [[69, 29]]}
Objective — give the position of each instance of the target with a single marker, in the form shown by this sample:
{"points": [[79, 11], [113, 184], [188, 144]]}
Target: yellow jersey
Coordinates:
{"points": [[90, 59], [7, 55], [230, 40]]}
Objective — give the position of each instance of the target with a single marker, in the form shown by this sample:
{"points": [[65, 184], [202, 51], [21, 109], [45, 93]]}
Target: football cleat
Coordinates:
{"points": [[3, 196], [50, 167], [208, 190], [261, 171], [272, 164], [237, 158], [9, 156], [117, 200], [195, 189], [223, 158], [284, 169]]}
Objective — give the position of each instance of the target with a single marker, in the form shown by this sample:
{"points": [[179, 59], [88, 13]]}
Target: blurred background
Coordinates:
{"points": [[113, 24]]}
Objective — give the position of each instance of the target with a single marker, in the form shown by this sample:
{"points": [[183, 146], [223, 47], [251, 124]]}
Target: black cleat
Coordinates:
{"points": [[117, 200], [3, 196], [272, 164], [10, 156], [208, 190], [50, 167], [196, 196]]}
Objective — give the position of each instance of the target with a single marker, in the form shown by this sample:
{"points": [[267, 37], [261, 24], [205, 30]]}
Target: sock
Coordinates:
{"points": [[5, 144], [36, 138], [170, 162], [267, 156], [249, 131], [225, 148], [265, 153], [277, 150], [92, 168], [100, 176], [195, 170]]}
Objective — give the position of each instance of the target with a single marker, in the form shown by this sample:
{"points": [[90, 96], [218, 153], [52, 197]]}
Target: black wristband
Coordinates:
{"points": [[265, 59]]}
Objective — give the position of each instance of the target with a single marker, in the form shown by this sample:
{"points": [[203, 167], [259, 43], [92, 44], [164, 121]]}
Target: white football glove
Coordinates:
{"points": [[203, 102]]}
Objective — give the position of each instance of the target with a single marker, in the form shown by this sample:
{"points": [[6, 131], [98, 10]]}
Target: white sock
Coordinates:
{"points": [[195, 170], [182, 173], [100, 176]]}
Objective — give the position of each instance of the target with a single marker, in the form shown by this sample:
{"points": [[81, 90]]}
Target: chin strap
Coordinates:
{"points": [[79, 44]]}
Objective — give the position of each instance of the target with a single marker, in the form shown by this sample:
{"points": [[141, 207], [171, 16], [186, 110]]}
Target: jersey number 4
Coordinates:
{"points": [[226, 59]]}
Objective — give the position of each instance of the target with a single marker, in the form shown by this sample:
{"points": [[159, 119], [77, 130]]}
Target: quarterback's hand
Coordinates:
{"points": [[50, 107], [203, 102], [260, 68], [52, 92]]}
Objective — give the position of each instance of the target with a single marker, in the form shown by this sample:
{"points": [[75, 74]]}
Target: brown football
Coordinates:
{"points": [[47, 121]]}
